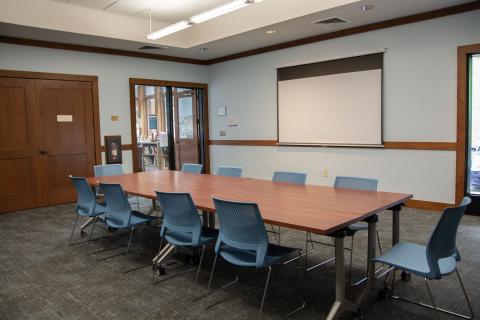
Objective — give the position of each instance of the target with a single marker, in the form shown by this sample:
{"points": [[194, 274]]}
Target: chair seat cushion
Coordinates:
{"points": [[248, 258], [139, 218], [177, 238], [99, 210], [351, 229], [412, 257]]}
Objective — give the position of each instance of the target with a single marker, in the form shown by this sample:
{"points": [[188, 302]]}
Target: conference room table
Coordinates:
{"points": [[311, 208]]}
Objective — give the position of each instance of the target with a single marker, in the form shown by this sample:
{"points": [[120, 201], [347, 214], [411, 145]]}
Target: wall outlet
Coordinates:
{"points": [[223, 133], [325, 173]]}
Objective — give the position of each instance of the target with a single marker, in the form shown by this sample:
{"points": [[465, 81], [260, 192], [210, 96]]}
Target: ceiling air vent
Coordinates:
{"points": [[329, 21], [148, 47]]}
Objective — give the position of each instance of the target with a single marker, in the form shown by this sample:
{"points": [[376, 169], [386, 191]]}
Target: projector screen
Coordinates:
{"points": [[337, 102]]}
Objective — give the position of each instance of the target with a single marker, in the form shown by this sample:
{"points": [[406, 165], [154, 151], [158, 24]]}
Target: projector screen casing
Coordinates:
{"points": [[336, 102]]}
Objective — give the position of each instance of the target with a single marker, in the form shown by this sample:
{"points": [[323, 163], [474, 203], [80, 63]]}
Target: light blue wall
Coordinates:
{"points": [[420, 82]]}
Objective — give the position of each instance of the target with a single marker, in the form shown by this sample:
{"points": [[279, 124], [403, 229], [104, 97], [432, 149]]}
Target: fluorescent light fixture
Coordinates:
{"points": [[220, 10], [184, 24], [201, 17]]}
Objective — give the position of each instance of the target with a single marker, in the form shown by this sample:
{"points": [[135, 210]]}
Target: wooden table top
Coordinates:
{"points": [[318, 209]]}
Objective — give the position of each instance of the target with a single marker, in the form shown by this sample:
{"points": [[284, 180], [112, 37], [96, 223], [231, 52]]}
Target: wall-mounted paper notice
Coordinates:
{"points": [[64, 118]]}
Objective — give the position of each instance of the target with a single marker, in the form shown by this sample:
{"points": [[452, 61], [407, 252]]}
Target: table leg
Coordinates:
{"points": [[396, 224], [339, 304], [372, 229]]}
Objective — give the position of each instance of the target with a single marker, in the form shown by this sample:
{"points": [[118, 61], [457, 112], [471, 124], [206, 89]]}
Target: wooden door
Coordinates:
{"points": [[18, 151], [65, 137], [185, 127]]}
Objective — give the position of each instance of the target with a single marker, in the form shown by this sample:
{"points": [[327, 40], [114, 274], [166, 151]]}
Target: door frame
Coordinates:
{"points": [[166, 83], [463, 54], [68, 77]]}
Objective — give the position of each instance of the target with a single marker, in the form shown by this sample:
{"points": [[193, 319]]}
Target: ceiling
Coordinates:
{"points": [[239, 31], [169, 11]]}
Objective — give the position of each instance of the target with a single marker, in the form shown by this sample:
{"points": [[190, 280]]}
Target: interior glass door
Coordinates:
{"points": [[473, 171], [152, 127], [185, 118]]}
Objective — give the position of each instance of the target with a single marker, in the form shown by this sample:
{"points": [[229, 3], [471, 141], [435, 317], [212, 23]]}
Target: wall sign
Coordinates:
{"points": [[64, 118]]}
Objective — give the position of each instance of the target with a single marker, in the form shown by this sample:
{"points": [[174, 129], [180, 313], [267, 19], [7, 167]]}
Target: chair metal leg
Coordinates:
{"points": [[264, 292], [210, 282], [91, 234], [433, 305], [198, 269], [431, 299], [129, 241], [465, 294], [73, 229]]}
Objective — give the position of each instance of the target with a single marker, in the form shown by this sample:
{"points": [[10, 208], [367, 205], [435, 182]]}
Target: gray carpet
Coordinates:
{"points": [[42, 277]]}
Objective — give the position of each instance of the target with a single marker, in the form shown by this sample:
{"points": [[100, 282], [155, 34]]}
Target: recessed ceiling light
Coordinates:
{"points": [[367, 7], [203, 49], [270, 31]]}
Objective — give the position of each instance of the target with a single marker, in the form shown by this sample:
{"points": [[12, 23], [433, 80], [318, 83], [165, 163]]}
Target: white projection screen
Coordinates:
{"points": [[336, 102]]}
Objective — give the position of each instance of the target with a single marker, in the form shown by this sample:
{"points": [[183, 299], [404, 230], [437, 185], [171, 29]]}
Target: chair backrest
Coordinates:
{"points": [[86, 199], [356, 183], [192, 167], [118, 211], [103, 170], [442, 242], [180, 214], [228, 171], [289, 177], [242, 227]]}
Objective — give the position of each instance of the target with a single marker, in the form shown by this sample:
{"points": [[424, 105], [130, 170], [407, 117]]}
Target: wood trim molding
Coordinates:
{"points": [[462, 116], [166, 83], [402, 145], [470, 6], [92, 49], [465, 7], [125, 147], [47, 76], [428, 205], [269, 143]]}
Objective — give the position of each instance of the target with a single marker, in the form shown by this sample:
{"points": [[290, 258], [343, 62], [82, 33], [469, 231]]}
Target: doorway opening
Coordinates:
{"points": [[169, 124], [473, 172]]}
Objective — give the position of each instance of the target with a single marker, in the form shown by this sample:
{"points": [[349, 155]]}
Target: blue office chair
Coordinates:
{"points": [[342, 182], [289, 177], [192, 167], [439, 258], [119, 214], [227, 171], [87, 205], [181, 226], [243, 241], [104, 170], [286, 177]]}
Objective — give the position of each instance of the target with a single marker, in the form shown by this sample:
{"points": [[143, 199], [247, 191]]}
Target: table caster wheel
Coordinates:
{"points": [[83, 233], [406, 276]]}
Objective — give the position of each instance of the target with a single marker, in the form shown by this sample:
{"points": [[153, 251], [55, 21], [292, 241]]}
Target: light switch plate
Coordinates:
{"points": [[222, 111], [232, 121]]}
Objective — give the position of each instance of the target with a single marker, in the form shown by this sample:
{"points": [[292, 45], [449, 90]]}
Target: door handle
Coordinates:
{"points": [[44, 152]]}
